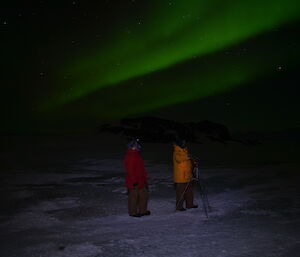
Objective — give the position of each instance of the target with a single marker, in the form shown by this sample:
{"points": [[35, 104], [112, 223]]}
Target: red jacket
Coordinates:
{"points": [[135, 170]]}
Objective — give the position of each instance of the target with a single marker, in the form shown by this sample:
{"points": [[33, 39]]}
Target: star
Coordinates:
{"points": [[280, 68]]}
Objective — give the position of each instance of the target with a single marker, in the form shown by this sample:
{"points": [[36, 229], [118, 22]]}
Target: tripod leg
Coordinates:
{"points": [[180, 200], [202, 194], [206, 199]]}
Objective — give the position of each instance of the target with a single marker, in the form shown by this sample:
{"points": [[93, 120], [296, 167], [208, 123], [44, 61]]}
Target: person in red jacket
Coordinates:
{"points": [[136, 180]]}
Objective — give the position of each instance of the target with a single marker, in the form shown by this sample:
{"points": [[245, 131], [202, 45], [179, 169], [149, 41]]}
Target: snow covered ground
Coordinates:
{"points": [[79, 208]]}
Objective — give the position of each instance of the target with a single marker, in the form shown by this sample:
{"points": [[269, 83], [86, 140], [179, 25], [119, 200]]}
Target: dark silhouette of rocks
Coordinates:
{"points": [[214, 131], [255, 138], [158, 130]]}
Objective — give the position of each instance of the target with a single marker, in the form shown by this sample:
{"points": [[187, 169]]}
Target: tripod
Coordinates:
{"points": [[196, 177]]}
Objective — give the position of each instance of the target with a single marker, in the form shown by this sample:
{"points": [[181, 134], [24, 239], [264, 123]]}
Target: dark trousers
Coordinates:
{"points": [[184, 193], [137, 200]]}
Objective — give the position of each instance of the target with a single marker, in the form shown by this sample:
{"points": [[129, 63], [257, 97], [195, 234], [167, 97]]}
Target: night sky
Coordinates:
{"points": [[73, 65]]}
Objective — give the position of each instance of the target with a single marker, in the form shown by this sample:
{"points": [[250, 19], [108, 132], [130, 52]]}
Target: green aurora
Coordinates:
{"points": [[178, 40]]}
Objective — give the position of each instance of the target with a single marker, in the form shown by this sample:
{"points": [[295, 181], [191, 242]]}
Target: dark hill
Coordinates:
{"points": [[157, 130]]}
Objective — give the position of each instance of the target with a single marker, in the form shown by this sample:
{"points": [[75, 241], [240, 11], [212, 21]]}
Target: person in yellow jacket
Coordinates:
{"points": [[182, 167]]}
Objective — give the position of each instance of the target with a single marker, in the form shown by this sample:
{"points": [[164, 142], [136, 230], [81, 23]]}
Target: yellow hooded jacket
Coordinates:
{"points": [[182, 165]]}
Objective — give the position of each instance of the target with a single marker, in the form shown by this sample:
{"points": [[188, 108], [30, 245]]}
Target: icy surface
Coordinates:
{"points": [[81, 210]]}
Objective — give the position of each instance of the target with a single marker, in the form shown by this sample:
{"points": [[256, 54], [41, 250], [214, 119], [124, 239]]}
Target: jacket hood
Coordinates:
{"points": [[179, 149], [134, 144]]}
